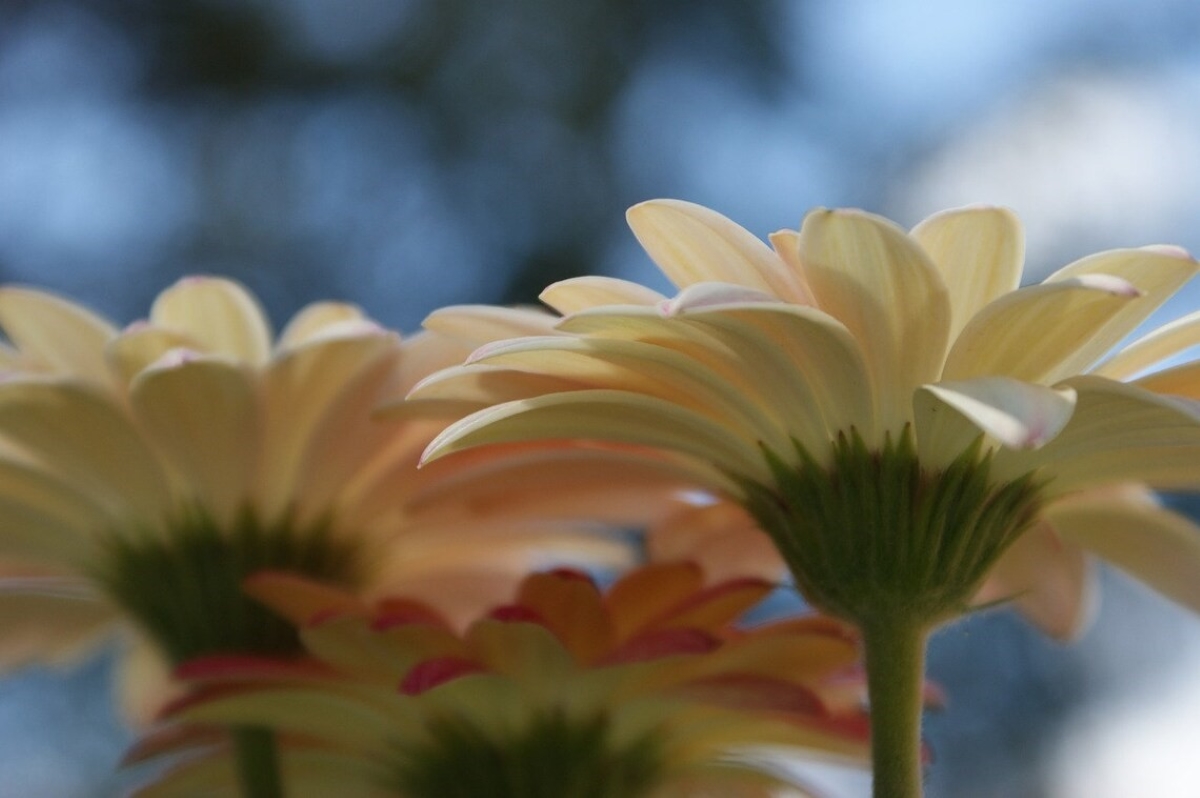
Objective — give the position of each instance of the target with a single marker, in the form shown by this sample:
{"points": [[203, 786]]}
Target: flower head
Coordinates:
{"points": [[644, 689], [905, 422], [145, 472]]}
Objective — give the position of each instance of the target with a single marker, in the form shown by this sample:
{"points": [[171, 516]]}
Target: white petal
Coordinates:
{"points": [[1017, 414]]}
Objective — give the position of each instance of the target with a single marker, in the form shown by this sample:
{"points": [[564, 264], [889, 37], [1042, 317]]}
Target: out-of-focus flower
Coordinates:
{"points": [[855, 377], [643, 690], [145, 472]]}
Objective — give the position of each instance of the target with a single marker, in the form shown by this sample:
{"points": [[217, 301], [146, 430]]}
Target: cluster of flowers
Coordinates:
{"points": [[325, 551]]}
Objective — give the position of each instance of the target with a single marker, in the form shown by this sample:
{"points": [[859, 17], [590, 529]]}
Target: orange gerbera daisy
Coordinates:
{"points": [[642, 690]]}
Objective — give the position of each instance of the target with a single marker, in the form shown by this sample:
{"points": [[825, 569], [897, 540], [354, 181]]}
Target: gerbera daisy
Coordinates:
{"points": [[145, 472], [642, 690], [907, 425]]}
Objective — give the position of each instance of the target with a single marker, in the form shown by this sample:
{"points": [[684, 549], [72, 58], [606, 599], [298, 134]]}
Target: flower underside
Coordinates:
{"points": [[874, 536], [185, 588], [555, 756]]}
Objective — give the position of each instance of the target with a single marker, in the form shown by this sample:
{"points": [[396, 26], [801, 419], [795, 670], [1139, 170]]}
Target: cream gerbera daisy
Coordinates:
{"points": [[907, 425]]}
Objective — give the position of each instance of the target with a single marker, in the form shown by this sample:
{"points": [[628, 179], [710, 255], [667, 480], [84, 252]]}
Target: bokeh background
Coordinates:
{"points": [[407, 154]]}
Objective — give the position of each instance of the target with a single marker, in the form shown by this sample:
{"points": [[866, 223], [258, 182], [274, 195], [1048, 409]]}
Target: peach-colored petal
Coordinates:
{"points": [[476, 325], [1047, 579], [1129, 529], [721, 537]]}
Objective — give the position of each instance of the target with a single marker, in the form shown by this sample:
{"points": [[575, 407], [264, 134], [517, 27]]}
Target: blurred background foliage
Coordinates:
{"points": [[407, 154]]}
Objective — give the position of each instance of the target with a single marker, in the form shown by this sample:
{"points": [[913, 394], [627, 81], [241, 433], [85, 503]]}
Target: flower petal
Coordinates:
{"points": [[1129, 529], [1117, 433], [1157, 272], [63, 335], [869, 275], [1017, 414], [476, 325], [80, 434], [581, 293], [1041, 333], [979, 252], [313, 320], [1047, 579], [643, 368], [1150, 350], [203, 414], [693, 244], [617, 416], [219, 314]]}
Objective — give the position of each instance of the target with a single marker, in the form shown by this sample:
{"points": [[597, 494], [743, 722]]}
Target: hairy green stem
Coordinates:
{"points": [[895, 655]]}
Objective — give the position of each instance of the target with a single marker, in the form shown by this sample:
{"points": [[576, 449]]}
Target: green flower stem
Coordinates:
{"points": [[895, 655], [257, 762]]}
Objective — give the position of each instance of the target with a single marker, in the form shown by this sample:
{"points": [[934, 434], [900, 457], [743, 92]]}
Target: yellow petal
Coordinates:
{"points": [[219, 314], [641, 368], [1150, 350], [314, 320], [979, 252], [1182, 380], [1129, 529], [48, 519], [1048, 581], [475, 325], [693, 244], [1157, 272], [204, 415], [869, 275], [601, 415], [59, 333], [83, 436], [581, 293], [141, 345], [1042, 333]]}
